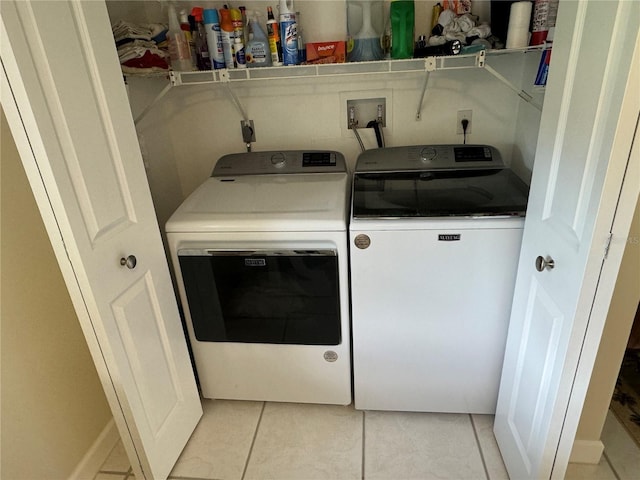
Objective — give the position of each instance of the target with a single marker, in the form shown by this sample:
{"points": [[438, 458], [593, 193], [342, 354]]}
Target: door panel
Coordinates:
{"points": [[76, 137], [146, 344], [541, 334], [566, 221]]}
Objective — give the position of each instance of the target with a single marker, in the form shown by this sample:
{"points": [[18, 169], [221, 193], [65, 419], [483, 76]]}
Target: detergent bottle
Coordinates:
{"points": [[402, 26]]}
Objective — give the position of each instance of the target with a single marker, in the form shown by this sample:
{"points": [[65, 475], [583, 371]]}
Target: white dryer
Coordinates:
{"points": [[260, 255], [435, 239]]}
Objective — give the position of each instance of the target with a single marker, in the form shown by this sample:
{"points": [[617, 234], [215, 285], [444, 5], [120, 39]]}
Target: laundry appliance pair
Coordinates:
{"points": [[278, 304]]}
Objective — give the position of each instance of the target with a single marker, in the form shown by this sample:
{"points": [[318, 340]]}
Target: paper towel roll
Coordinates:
{"points": [[323, 21], [518, 31]]}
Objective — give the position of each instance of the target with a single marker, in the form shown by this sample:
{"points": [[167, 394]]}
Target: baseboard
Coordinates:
{"points": [[97, 453], [586, 451]]}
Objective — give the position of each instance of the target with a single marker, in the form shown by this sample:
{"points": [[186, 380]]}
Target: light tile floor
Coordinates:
{"points": [[263, 440]]}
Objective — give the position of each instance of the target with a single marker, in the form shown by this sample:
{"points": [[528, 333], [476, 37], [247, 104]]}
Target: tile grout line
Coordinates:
{"points": [[363, 440], [613, 469], [253, 441], [192, 478], [475, 434], [113, 472]]}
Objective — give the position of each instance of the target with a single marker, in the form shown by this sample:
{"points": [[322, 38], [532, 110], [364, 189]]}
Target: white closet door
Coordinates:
{"points": [[587, 127], [68, 110]]}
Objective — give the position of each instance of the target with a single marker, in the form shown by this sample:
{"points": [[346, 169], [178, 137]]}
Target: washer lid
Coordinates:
{"points": [[277, 203], [439, 193]]}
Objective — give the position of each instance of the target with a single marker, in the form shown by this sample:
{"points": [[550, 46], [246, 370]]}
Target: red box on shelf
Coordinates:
{"points": [[326, 52]]}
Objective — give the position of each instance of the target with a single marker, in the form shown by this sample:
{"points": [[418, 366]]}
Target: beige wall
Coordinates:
{"points": [[614, 338], [52, 404]]}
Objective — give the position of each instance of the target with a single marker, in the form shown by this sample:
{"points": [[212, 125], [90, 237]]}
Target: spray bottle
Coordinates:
{"points": [[288, 33], [179, 51], [273, 33], [200, 40], [257, 50], [185, 26]]}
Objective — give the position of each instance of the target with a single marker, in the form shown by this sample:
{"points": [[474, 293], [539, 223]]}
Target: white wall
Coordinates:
{"points": [[615, 335], [192, 126], [201, 123]]}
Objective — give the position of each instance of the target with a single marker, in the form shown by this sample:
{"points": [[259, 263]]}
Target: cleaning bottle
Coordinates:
{"points": [[238, 53], [366, 43], [214, 38], [245, 25], [237, 21], [402, 25], [186, 27], [226, 32], [288, 33], [200, 40], [302, 49], [179, 51], [257, 50], [273, 33]]}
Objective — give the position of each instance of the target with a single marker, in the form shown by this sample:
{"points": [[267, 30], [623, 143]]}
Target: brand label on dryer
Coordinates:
{"points": [[255, 262], [448, 237], [330, 356]]}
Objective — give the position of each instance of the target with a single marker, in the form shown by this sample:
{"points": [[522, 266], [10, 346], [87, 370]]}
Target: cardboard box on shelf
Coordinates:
{"points": [[326, 52]]}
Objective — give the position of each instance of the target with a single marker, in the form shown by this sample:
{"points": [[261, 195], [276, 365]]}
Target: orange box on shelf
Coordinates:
{"points": [[326, 52]]}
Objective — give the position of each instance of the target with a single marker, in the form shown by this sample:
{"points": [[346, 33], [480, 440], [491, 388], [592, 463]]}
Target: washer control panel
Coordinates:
{"points": [[280, 162], [429, 157]]}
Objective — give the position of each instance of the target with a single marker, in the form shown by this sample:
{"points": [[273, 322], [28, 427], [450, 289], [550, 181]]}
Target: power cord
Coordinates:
{"points": [[377, 127], [465, 124]]}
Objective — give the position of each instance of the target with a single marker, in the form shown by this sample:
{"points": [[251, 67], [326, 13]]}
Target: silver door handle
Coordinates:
{"points": [[130, 261], [542, 263]]}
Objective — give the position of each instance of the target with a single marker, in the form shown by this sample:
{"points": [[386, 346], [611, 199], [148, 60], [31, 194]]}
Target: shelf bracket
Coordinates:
{"points": [[521, 93], [429, 66], [144, 112]]}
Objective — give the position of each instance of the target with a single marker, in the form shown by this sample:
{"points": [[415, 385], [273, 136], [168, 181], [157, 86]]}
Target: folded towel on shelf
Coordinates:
{"points": [[140, 56], [138, 49], [124, 31]]}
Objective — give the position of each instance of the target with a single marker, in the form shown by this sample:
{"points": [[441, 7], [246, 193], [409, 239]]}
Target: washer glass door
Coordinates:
{"points": [[258, 296]]}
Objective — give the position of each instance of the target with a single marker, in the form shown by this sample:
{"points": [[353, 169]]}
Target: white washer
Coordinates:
{"points": [[435, 237], [260, 254]]}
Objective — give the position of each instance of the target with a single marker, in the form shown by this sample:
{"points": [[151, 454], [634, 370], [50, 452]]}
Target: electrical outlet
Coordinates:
{"points": [[463, 115], [366, 110], [248, 131]]}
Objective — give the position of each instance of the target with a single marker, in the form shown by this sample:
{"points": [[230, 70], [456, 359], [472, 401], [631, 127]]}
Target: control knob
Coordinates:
{"points": [[277, 160], [428, 154]]}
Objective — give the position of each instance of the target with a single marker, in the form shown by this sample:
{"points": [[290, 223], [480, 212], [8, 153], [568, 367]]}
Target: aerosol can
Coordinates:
{"points": [[288, 33]]}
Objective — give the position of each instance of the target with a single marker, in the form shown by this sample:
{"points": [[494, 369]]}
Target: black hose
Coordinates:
{"points": [[377, 128]]}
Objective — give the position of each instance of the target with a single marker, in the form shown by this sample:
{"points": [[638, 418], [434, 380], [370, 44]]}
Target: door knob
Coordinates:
{"points": [[130, 261], [542, 263]]}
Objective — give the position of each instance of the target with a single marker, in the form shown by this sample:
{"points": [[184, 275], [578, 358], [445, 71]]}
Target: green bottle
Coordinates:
{"points": [[402, 24]]}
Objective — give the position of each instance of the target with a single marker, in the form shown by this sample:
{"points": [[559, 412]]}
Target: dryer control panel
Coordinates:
{"points": [[280, 162]]}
